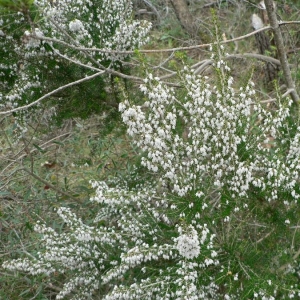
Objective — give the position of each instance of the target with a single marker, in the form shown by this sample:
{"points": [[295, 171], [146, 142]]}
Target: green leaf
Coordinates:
{"points": [[3, 194], [39, 148], [16, 5], [58, 143], [100, 167]]}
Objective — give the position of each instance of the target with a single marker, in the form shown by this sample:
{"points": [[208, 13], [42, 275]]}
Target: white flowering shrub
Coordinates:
{"points": [[103, 24], [212, 221], [43, 47], [214, 133], [133, 231]]}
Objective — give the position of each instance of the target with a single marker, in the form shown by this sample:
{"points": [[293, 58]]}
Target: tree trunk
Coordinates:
{"points": [[264, 45], [281, 50], [184, 16]]}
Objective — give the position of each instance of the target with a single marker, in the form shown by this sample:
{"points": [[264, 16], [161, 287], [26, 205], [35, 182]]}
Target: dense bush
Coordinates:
{"points": [[211, 209], [222, 164]]}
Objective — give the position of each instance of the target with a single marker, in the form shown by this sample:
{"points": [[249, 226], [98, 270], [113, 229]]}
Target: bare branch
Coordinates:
{"points": [[200, 46], [51, 93]]}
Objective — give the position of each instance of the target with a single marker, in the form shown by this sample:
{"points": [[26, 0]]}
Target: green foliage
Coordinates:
{"points": [[198, 201], [80, 101], [16, 5]]}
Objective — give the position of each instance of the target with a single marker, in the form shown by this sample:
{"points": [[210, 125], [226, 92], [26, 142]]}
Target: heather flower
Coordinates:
{"points": [[75, 25], [188, 243]]}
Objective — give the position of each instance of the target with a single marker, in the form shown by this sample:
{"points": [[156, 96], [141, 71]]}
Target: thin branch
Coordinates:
{"points": [[200, 66], [289, 91], [101, 67], [75, 61], [205, 64], [295, 256], [53, 40], [256, 56], [73, 40], [51, 93], [51, 186], [215, 3], [256, 224], [53, 287], [288, 22], [294, 235], [264, 237], [153, 9], [42, 146], [245, 271], [51, 140]]}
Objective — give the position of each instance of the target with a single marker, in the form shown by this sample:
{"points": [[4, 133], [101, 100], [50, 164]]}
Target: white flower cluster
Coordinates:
{"points": [[31, 42], [75, 25], [188, 242], [135, 233], [214, 137], [104, 24], [75, 252], [127, 36], [78, 29]]}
